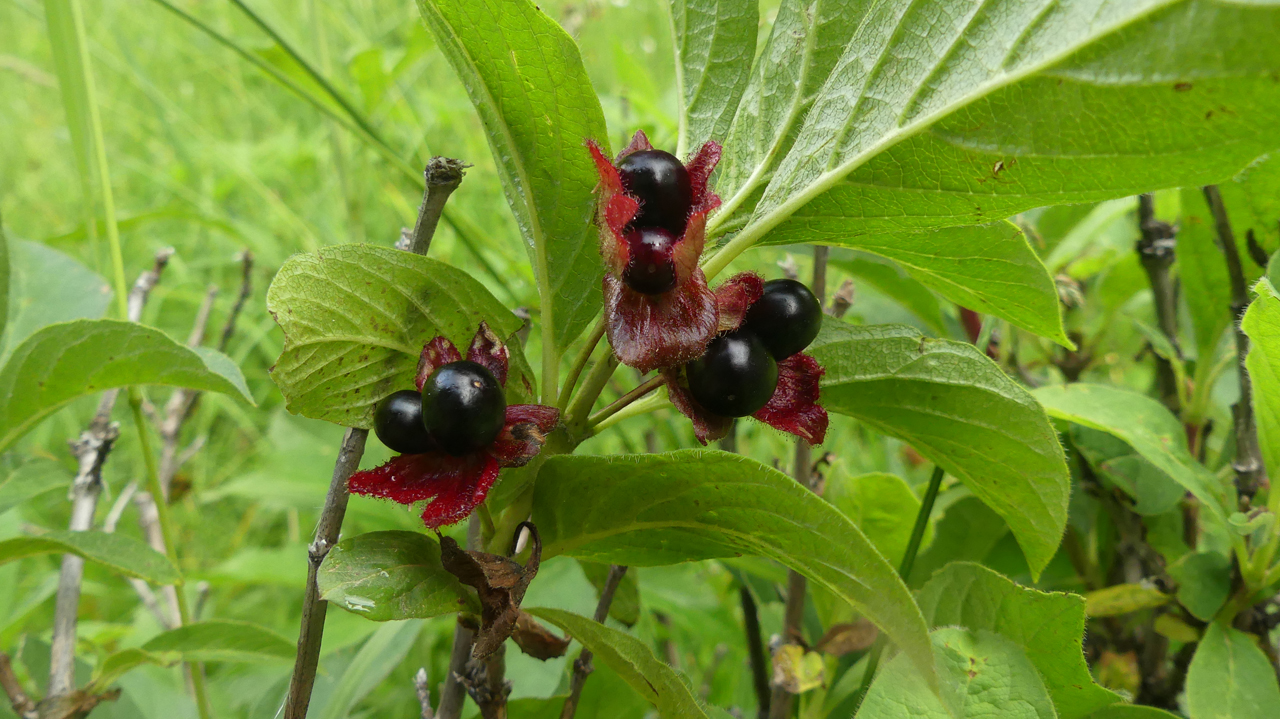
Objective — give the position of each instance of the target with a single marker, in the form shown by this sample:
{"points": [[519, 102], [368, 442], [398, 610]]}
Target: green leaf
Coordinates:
{"points": [[967, 532], [1123, 599], [1253, 203], [34, 302], [1145, 425], [988, 268], [32, 479], [120, 663], [1262, 324], [355, 318], [121, 554], [1202, 271], [984, 675], [625, 607], [1093, 229], [1131, 711], [632, 660], [6, 273], [1153, 491], [1230, 678], [882, 505], [1204, 582], [956, 407], [526, 80], [962, 117], [381, 653], [64, 361], [392, 575], [653, 509], [715, 41], [1048, 626], [223, 640], [894, 282]]}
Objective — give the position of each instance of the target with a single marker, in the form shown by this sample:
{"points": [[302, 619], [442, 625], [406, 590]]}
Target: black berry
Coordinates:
{"points": [[786, 317], [735, 377], [651, 269], [463, 407], [398, 423], [661, 183]]}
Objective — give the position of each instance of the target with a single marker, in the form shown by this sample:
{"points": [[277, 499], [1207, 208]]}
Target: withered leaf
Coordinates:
{"points": [[536, 640], [843, 639], [501, 583]]}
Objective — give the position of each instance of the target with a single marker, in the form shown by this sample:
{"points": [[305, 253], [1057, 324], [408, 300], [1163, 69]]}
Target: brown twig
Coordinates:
{"points": [[755, 645], [453, 691], [420, 686], [91, 451], [1250, 473], [582, 665], [438, 172], [18, 699], [1157, 251]]}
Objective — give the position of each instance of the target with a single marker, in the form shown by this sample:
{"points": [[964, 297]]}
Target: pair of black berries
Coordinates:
{"points": [[662, 185], [739, 372], [460, 409]]}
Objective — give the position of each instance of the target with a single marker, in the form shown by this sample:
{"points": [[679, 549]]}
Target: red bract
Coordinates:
{"points": [[457, 485], [659, 330], [793, 408]]}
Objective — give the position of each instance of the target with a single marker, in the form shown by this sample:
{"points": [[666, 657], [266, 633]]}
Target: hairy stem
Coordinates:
{"points": [[582, 665], [1250, 473]]}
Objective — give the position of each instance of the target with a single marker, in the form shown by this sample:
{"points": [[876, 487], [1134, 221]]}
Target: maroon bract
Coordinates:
{"points": [[793, 408], [457, 485], [649, 329]]}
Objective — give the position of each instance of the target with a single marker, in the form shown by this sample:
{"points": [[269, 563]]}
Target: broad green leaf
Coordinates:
{"points": [[121, 554], [715, 41], [1256, 192], [807, 38], [1131, 711], [32, 479], [1202, 271], [392, 575], [1145, 425], [1204, 583], [984, 675], [653, 509], [1153, 491], [632, 660], [223, 640], [118, 664], [64, 361], [1092, 229], [988, 268], [968, 531], [1048, 626], [626, 598], [1262, 324], [894, 282], [34, 302], [355, 318], [526, 80], [881, 504], [1230, 678], [381, 653], [934, 118], [1123, 599], [956, 407]]}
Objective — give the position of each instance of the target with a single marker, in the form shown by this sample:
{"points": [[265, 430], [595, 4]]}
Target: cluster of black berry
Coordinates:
{"points": [[661, 183], [460, 409], [739, 372]]}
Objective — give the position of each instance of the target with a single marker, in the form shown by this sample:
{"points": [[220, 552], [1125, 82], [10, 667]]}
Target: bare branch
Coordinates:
{"points": [[18, 699], [246, 288], [424, 693], [582, 665], [443, 174], [1157, 251]]}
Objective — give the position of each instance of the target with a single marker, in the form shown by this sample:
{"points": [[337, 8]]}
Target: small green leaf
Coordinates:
{"points": [[715, 41], [1262, 324], [64, 361], [79, 293], [223, 640], [968, 531], [625, 607], [1230, 678], [1123, 599], [1204, 583], [392, 575], [118, 664], [987, 268], [1153, 491], [526, 79], [1244, 525], [1131, 711], [1145, 425], [121, 554], [32, 479], [355, 318], [655, 509], [881, 504], [1048, 626], [1174, 628], [956, 407], [985, 675], [1202, 272], [632, 660]]}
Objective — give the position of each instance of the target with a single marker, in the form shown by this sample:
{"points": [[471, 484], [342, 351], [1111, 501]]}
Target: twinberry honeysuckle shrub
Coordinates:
{"points": [[456, 472]]}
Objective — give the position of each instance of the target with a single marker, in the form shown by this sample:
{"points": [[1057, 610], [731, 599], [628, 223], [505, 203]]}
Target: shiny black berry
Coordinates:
{"points": [[463, 407], [661, 183], [651, 269], [786, 317], [735, 377], [398, 423]]}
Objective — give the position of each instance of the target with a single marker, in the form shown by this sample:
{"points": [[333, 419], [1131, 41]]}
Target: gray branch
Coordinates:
{"points": [[582, 665]]}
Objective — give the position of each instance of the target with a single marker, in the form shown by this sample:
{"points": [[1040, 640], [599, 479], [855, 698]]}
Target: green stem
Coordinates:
{"points": [[170, 541], [651, 403], [908, 561], [592, 386], [580, 363], [622, 402]]}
